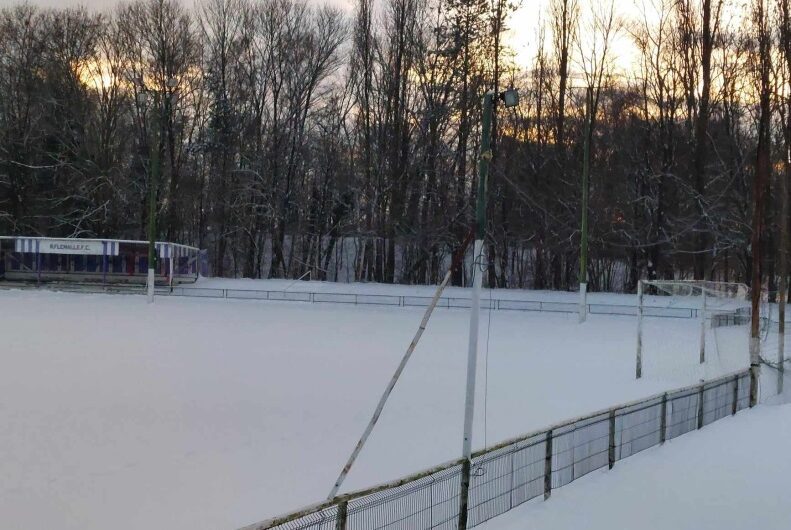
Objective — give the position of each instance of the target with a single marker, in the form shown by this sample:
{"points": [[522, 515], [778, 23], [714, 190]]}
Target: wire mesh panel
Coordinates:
{"points": [[677, 312], [490, 486], [648, 311], [461, 303], [743, 394], [466, 303], [325, 519], [423, 301], [247, 294], [559, 307], [335, 298], [505, 478], [638, 427], [612, 309], [579, 448], [288, 296], [198, 292], [431, 502], [528, 470], [378, 299], [519, 305], [717, 400], [682, 412], [729, 318]]}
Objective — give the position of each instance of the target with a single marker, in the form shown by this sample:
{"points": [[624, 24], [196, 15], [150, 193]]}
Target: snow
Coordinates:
{"points": [[209, 413], [718, 478]]}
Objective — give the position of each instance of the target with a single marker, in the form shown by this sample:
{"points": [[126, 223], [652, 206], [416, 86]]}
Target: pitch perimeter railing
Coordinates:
{"points": [[499, 304], [518, 470], [720, 318]]}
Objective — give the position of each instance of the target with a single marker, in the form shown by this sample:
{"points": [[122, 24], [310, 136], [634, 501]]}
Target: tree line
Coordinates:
{"points": [[295, 138]]}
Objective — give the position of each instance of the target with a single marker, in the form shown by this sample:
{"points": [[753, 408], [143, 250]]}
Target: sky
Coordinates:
{"points": [[521, 36]]}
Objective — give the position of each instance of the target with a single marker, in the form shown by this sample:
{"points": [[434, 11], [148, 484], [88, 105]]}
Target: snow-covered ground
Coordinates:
{"points": [[732, 475], [211, 414]]}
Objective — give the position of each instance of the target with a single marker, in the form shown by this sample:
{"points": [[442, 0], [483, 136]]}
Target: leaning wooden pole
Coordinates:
{"points": [[404, 360]]}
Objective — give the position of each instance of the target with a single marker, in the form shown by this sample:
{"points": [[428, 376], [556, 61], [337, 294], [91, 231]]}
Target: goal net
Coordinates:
{"points": [[691, 330]]}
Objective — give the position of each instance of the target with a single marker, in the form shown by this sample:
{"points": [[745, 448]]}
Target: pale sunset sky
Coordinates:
{"points": [[523, 24]]}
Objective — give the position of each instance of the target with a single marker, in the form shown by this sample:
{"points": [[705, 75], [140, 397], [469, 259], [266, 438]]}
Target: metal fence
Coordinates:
{"points": [[423, 301], [518, 470], [315, 297]]}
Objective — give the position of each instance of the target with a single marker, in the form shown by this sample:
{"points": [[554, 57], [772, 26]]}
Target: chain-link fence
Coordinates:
{"points": [[513, 472]]}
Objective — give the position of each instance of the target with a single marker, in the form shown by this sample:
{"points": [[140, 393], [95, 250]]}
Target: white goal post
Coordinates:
{"points": [[722, 303]]}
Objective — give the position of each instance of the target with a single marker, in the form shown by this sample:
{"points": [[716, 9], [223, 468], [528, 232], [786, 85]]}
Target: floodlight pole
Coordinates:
{"points": [[583, 310], [783, 266], [152, 202], [162, 97], [477, 280], [703, 325]]}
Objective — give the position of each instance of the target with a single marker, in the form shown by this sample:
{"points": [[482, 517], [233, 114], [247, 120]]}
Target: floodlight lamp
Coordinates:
{"points": [[510, 97]]}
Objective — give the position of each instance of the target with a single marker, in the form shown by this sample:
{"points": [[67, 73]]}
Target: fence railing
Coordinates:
{"points": [[317, 297], [499, 304], [517, 470]]}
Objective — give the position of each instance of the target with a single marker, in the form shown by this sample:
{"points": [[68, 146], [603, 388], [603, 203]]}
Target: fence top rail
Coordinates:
{"points": [[346, 497]]}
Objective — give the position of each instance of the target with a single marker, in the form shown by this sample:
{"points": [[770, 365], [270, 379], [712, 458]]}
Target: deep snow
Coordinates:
{"points": [[209, 414]]}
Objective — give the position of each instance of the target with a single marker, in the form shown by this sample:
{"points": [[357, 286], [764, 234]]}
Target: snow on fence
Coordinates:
{"points": [[497, 304], [513, 472]]}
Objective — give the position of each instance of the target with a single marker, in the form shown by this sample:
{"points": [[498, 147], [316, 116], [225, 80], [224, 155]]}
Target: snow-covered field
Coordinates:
{"points": [[718, 478], [213, 414]]}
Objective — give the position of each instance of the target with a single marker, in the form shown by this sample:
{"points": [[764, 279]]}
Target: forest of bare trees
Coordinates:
{"points": [[294, 136]]}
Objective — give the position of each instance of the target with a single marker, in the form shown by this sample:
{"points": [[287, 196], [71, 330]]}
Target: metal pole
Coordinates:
{"points": [[611, 448], [703, 326], [171, 269], [639, 366], [584, 224], [477, 271], [783, 287], [152, 201], [104, 263], [760, 182], [38, 262]]}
